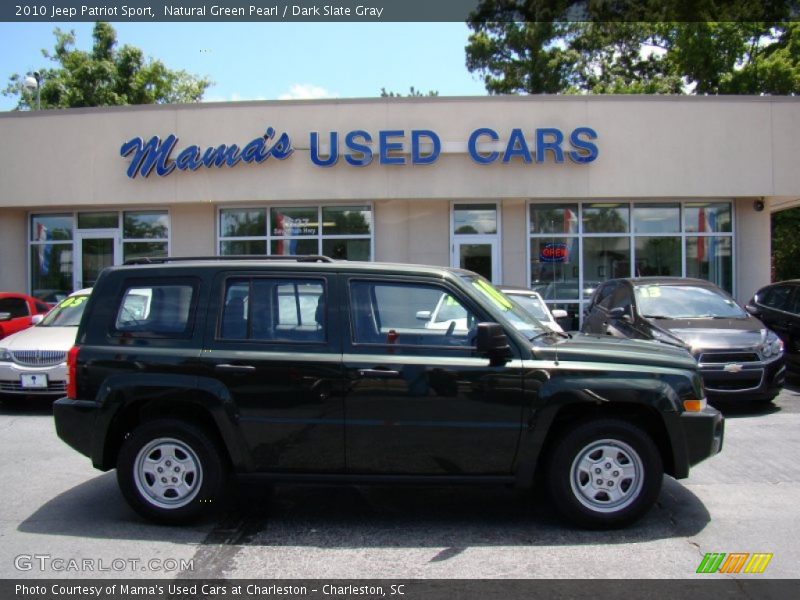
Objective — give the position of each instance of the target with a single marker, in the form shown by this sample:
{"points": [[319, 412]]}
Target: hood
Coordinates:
{"points": [[717, 334], [41, 338], [586, 347]]}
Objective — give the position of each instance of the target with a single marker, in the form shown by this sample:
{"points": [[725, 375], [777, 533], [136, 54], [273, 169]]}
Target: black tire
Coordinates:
{"points": [[193, 471], [627, 484]]}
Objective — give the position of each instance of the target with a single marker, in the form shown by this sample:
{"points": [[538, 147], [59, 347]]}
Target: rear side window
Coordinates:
{"points": [[273, 310], [777, 297], [17, 307], [157, 309]]}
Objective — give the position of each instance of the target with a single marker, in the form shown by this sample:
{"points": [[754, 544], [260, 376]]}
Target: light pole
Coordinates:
{"points": [[34, 82]]}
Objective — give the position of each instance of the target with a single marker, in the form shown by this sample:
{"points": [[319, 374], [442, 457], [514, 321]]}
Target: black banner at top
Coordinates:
{"points": [[374, 11]]}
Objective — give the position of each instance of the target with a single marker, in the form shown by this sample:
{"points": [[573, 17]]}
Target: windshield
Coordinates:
{"points": [[531, 304], [521, 320], [67, 313], [685, 302]]}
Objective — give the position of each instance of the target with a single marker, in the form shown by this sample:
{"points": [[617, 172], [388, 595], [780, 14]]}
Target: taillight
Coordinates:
{"points": [[72, 373]]}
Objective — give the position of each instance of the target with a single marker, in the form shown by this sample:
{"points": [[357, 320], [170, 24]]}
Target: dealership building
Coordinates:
{"points": [[555, 193]]}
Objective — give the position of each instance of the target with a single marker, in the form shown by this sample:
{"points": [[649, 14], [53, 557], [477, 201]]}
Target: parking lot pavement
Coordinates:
{"points": [[743, 500]]}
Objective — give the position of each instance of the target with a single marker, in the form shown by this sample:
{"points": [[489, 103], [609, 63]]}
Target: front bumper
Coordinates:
{"points": [[75, 423], [11, 380], [745, 380], [703, 435]]}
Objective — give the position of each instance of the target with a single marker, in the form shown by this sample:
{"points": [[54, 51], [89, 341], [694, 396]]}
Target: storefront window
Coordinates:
{"points": [[57, 239], [146, 225], [51, 270], [554, 267], [243, 222], [551, 218], [343, 232], [98, 220], [346, 220], [618, 239], [51, 228], [139, 229], [243, 247], [287, 222], [707, 217], [711, 258], [657, 256], [604, 258], [606, 218], [471, 219], [657, 218]]}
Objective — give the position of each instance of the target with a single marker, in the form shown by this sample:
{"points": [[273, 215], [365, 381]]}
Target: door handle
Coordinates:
{"points": [[378, 373], [234, 368]]}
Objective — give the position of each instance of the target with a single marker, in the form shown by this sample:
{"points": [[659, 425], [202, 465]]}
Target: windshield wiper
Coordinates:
{"points": [[551, 333], [659, 317]]}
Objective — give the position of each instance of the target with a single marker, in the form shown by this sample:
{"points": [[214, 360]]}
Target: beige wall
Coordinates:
{"points": [[416, 231], [192, 230], [13, 250], [515, 242], [753, 251], [648, 147]]}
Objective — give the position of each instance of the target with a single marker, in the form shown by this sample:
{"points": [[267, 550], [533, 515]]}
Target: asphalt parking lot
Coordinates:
{"points": [[60, 518]]}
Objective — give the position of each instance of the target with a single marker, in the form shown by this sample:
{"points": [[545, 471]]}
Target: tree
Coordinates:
{"points": [[412, 93], [105, 76], [786, 244], [521, 46]]}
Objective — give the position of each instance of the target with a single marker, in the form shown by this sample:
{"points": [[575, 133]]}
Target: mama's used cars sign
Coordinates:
{"points": [[360, 148]]}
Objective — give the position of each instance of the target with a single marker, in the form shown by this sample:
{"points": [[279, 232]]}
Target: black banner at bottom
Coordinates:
{"points": [[409, 589]]}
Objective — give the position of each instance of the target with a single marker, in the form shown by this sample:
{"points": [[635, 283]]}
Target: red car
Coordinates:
{"points": [[17, 312]]}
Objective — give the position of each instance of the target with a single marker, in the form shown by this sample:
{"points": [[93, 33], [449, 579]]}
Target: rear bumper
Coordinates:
{"points": [[704, 433], [75, 423]]}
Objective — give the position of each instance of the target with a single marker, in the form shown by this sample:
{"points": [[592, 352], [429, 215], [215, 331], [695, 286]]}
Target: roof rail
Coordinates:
{"points": [[166, 259]]}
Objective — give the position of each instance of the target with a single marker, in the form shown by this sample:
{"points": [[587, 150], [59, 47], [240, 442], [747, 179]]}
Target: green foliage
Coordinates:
{"points": [[412, 93], [786, 244], [521, 46], [105, 76]]}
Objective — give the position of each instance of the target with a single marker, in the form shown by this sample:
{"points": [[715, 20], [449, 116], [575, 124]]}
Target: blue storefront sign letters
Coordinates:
{"points": [[360, 148]]}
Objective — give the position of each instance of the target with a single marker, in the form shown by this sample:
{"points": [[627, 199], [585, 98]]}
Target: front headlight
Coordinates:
{"points": [[5, 355], [772, 346]]}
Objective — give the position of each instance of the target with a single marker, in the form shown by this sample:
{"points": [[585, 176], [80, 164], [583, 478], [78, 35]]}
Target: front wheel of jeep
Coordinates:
{"points": [[605, 473]]}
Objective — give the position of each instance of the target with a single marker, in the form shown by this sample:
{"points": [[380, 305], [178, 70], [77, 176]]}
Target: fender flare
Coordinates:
{"points": [[123, 392]]}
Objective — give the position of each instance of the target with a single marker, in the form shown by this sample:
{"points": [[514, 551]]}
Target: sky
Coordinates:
{"points": [[269, 61]]}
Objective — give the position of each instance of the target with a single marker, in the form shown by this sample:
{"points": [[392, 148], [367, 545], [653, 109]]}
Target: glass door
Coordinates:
{"points": [[96, 250], [478, 254]]}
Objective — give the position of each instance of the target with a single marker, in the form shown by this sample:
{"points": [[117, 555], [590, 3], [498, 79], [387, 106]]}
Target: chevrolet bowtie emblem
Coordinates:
{"points": [[733, 368]]}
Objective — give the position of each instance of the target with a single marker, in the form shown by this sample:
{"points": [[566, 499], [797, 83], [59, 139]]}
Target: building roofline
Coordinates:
{"points": [[543, 98]]}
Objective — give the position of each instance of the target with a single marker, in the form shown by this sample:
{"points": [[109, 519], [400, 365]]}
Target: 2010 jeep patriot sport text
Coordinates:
{"points": [[186, 370]]}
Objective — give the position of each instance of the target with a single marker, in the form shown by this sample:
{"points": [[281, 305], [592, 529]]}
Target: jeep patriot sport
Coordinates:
{"points": [[304, 368]]}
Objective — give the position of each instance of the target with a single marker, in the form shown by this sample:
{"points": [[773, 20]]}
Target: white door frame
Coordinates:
{"points": [[486, 240], [92, 234]]}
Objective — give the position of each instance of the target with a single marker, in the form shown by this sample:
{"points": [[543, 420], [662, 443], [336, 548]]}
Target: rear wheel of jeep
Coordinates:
{"points": [[605, 473], [171, 471]]}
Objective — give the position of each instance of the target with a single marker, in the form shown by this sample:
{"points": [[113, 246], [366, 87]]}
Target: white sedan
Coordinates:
{"points": [[532, 303], [33, 361]]}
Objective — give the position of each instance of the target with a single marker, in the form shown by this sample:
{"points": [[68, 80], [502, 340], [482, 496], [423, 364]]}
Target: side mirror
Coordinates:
{"points": [[491, 341], [752, 309], [424, 315], [36, 319], [5, 316], [620, 313], [559, 313]]}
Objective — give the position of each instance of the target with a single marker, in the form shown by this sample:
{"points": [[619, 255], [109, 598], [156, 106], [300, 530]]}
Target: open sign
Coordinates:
{"points": [[554, 252]]}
